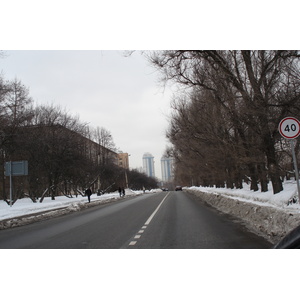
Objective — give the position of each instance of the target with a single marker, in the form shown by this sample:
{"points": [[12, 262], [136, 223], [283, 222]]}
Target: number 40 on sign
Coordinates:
{"points": [[289, 128]]}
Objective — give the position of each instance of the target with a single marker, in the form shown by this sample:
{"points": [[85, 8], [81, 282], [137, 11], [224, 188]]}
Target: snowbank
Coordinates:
{"points": [[266, 214], [24, 211]]}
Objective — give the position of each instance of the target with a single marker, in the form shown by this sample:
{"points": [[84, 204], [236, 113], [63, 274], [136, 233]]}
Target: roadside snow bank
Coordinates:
{"points": [[24, 211], [264, 213]]}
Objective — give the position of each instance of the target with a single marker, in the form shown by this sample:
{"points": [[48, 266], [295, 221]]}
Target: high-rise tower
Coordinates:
{"points": [[167, 169], [148, 164]]}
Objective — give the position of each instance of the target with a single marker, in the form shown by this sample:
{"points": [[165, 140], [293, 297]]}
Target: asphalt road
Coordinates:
{"points": [[164, 220]]}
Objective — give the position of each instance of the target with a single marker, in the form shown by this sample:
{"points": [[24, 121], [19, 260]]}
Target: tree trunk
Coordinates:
{"points": [[273, 165], [238, 181], [254, 177], [263, 177]]}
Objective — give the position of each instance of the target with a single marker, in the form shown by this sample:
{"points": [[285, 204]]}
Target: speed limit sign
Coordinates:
{"points": [[289, 128]]}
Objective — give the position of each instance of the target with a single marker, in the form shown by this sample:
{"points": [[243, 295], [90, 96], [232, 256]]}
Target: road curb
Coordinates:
{"points": [[273, 224], [56, 212]]}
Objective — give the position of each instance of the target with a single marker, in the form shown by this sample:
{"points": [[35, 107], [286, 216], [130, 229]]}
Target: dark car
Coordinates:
{"points": [[290, 241], [178, 188]]}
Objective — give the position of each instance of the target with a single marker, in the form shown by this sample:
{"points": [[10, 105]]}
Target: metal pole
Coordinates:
{"points": [[10, 184], [295, 168], [126, 179]]}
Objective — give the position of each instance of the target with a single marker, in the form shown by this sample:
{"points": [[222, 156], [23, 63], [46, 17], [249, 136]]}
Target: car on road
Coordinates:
{"points": [[178, 188]]}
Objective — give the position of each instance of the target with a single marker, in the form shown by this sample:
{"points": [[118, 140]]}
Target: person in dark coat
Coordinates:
{"points": [[88, 192], [120, 191]]}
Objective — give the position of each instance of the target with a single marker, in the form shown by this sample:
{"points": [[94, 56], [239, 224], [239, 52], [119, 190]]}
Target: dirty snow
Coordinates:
{"points": [[24, 211], [269, 215]]}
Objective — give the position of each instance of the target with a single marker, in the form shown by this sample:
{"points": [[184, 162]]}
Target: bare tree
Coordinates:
{"points": [[52, 144], [249, 85], [15, 112], [104, 139]]}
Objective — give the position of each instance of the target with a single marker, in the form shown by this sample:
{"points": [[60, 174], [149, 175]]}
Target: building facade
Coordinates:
{"points": [[148, 164], [167, 169], [123, 161], [57, 157]]}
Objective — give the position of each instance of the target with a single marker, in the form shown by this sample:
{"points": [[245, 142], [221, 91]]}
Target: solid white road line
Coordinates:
{"points": [[153, 214]]}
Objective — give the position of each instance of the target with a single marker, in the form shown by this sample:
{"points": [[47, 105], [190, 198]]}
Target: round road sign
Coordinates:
{"points": [[289, 128]]}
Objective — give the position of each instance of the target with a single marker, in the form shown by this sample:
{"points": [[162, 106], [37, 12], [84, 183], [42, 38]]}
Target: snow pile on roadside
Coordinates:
{"points": [[24, 211], [245, 194], [264, 213]]}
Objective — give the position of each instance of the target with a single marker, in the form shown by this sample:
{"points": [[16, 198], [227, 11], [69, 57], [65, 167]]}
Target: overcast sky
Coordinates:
{"points": [[121, 95], [105, 88]]}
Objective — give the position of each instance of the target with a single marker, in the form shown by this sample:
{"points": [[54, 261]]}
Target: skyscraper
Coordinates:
{"points": [[167, 169], [148, 164]]}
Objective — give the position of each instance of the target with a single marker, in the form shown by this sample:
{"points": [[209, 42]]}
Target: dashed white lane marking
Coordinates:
{"points": [[132, 243]]}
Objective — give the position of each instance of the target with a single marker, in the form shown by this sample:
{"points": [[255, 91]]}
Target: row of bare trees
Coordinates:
{"points": [[61, 157], [224, 125], [51, 140]]}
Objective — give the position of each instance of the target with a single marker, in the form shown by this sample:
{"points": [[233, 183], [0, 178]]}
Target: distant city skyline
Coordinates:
{"points": [[166, 165]]}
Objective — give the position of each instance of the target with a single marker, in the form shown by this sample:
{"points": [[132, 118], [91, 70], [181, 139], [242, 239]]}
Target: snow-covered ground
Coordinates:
{"points": [[24, 211], [278, 201], [265, 213]]}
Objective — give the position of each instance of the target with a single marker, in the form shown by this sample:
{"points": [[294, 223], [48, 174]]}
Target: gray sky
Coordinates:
{"points": [[105, 89]]}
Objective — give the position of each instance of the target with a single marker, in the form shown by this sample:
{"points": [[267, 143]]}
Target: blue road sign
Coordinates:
{"points": [[18, 168]]}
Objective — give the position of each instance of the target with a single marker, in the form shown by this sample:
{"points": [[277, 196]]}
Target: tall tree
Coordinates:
{"points": [[15, 112], [249, 85]]}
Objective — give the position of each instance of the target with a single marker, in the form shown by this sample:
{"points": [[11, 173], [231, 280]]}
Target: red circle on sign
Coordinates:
{"points": [[284, 126]]}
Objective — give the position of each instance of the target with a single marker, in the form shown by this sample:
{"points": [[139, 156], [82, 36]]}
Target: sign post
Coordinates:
{"points": [[289, 128], [15, 168]]}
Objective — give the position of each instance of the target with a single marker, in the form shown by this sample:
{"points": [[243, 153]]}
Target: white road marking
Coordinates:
{"points": [[132, 243], [153, 214]]}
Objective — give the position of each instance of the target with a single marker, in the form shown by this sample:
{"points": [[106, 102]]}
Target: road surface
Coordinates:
{"points": [[163, 220]]}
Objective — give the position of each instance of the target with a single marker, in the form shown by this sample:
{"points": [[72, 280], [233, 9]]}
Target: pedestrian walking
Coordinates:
{"points": [[123, 192], [120, 191], [88, 193]]}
